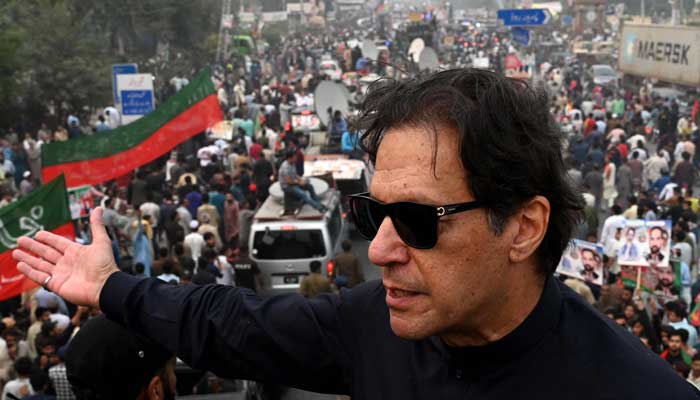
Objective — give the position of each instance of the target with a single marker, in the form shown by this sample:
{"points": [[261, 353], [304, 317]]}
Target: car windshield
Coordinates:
{"points": [[603, 70], [288, 244]]}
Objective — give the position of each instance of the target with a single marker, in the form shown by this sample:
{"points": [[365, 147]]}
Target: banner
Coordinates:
{"points": [[645, 243], [44, 209], [582, 260], [663, 281], [89, 160]]}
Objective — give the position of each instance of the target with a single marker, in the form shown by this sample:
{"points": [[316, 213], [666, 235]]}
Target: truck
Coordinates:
{"points": [[666, 53]]}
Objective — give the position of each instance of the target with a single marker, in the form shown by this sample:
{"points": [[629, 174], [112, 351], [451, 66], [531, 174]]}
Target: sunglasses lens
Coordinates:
{"points": [[367, 215], [416, 224]]}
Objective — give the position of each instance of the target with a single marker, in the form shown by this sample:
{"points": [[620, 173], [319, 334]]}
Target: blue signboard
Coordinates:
{"points": [[527, 17], [121, 69], [567, 20], [521, 35], [136, 102]]}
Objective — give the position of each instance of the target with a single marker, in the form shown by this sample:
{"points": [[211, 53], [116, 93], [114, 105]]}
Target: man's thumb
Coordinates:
{"points": [[99, 233]]}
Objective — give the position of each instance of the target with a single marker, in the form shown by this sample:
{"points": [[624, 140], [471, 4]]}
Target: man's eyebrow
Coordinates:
{"points": [[412, 197]]}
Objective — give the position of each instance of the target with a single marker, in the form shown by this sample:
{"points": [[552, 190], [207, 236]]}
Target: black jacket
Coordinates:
{"points": [[344, 344]]}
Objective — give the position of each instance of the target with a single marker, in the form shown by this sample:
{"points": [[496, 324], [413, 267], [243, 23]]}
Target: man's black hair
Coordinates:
{"points": [[315, 266], [208, 235], [168, 267], [676, 308], [346, 245], [23, 366], [39, 312], [510, 144], [139, 268], [39, 381], [683, 333]]}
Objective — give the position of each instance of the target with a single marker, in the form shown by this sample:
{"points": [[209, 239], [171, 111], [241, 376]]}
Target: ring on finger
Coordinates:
{"points": [[46, 282]]}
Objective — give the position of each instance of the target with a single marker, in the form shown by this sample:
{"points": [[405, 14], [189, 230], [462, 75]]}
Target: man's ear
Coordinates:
{"points": [[154, 390], [533, 219]]}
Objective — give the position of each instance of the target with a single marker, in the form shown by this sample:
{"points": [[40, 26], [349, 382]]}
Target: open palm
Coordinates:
{"points": [[77, 272]]}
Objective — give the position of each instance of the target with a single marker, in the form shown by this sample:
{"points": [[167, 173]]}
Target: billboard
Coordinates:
{"points": [[667, 53]]}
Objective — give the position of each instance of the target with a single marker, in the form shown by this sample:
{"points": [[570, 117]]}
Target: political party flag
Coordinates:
{"points": [[90, 160], [44, 209], [694, 316]]}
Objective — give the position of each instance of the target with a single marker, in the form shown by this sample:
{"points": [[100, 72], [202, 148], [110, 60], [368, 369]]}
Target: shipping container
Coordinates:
{"points": [[667, 53]]}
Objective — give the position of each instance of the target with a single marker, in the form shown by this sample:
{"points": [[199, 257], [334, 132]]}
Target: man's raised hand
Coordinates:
{"points": [[77, 272]]}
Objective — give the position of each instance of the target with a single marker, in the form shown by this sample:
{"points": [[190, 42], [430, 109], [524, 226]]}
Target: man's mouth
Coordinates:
{"points": [[398, 293]]}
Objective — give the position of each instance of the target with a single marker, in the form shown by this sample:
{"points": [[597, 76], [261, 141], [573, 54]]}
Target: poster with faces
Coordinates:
{"points": [[644, 243], [582, 260]]}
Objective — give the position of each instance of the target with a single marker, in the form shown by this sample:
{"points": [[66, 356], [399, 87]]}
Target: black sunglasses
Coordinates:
{"points": [[416, 224]]}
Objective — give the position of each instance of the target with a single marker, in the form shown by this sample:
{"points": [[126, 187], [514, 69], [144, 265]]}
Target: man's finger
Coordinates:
{"points": [[99, 233], [33, 262], [58, 242], [33, 274], [42, 250]]}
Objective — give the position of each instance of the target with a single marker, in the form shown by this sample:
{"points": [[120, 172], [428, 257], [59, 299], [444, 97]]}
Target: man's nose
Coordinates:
{"points": [[387, 248]]}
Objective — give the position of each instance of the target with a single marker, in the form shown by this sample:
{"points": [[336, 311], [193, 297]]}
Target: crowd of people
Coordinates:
{"points": [[186, 217]]}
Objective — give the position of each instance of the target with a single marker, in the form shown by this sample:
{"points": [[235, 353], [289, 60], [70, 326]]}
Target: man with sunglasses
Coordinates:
{"points": [[469, 212]]}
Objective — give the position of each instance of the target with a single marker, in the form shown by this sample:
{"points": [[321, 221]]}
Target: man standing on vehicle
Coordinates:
{"points": [[469, 212]]}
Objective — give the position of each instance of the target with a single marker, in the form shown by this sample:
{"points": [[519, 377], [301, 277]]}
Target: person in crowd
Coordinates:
{"points": [[314, 284], [59, 377], [41, 384], [232, 227], [21, 386], [106, 361], [346, 267], [246, 271], [168, 275], [674, 353], [694, 376]]}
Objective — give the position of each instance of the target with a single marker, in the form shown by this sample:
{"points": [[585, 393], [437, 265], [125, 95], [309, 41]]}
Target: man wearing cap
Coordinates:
{"points": [[105, 361], [194, 241]]}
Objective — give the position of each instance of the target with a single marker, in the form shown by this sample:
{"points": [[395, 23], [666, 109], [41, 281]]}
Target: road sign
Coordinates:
{"points": [[136, 95], [521, 35], [121, 69], [528, 17], [567, 20]]}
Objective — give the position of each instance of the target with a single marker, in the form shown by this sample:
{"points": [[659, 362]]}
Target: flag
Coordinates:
{"points": [[44, 209], [694, 316], [90, 160]]}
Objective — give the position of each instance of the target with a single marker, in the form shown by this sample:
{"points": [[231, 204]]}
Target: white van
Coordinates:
{"points": [[283, 246]]}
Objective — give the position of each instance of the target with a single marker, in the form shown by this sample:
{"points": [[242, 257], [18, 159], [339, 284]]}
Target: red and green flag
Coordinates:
{"points": [[90, 160], [44, 209]]}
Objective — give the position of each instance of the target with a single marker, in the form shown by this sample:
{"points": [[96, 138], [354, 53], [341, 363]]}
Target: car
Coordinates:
{"points": [[602, 75], [283, 246], [331, 69], [679, 96]]}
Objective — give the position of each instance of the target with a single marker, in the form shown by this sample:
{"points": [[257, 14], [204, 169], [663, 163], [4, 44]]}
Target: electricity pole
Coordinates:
{"points": [[225, 26]]}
